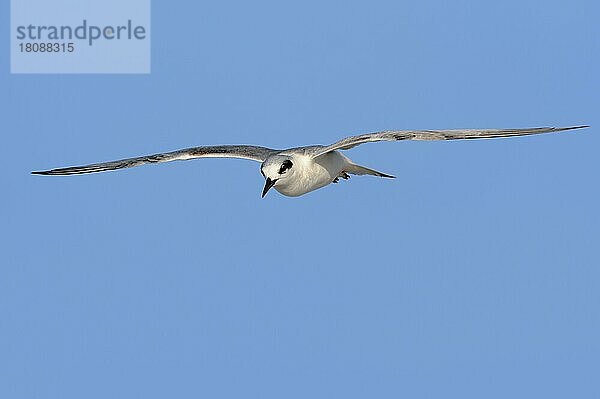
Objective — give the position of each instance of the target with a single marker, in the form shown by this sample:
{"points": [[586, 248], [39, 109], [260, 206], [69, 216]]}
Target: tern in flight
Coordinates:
{"points": [[300, 170]]}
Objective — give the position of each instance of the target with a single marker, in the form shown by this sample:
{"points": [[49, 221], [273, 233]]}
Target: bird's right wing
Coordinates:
{"points": [[253, 153], [457, 134]]}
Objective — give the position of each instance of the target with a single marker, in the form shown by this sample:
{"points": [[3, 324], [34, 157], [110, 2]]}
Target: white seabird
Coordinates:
{"points": [[297, 171]]}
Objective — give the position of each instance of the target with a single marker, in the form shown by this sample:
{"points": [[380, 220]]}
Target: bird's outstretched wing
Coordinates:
{"points": [[253, 153], [395, 135]]}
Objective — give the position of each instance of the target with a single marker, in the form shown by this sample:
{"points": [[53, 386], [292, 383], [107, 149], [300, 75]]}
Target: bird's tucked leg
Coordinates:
{"points": [[343, 175]]}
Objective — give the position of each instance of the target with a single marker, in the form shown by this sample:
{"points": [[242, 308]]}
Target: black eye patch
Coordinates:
{"points": [[285, 166]]}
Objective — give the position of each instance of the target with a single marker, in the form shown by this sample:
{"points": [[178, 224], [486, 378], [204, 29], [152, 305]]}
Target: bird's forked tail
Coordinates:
{"points": [[361, 170]]}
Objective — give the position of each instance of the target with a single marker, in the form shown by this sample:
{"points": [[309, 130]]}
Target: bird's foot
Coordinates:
{"points": [[342, 175]]}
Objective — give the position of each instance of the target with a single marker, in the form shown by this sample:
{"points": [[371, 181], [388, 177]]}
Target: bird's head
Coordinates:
{"points": [[276, 170]]}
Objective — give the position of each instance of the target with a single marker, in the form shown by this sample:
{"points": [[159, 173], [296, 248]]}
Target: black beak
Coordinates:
{"points": [[268, 184]]}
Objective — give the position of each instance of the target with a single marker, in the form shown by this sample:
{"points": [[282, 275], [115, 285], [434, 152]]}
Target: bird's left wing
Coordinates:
{"points": [[396, 135], [253, 153]]}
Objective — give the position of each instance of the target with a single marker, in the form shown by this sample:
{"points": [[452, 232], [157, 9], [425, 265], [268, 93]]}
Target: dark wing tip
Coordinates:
{"points": [[575, 127], [64, 171]]}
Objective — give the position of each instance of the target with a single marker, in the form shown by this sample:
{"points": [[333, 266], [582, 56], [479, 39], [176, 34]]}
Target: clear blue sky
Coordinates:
{"points": [[474, 274]]}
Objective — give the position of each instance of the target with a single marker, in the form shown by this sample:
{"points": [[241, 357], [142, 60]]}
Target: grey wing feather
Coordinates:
{"points": [[396, 135], [226, 151]]}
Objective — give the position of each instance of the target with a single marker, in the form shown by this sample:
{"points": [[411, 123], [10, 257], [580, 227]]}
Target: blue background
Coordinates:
{"points": [[474, 274]]}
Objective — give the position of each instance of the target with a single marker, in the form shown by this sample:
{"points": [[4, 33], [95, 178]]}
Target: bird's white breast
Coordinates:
{"points": [[312, 173]]}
